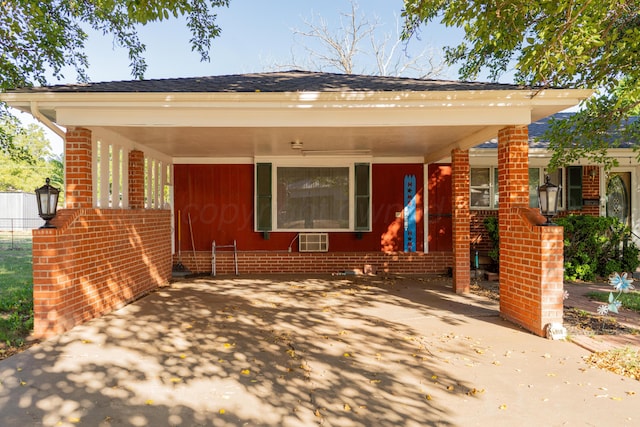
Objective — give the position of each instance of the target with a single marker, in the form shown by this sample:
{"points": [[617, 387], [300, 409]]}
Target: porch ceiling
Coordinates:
{"points": [[187, 144]]}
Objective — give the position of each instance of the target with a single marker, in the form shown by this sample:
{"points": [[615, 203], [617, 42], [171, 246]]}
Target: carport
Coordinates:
{"points": [[126, 141]]}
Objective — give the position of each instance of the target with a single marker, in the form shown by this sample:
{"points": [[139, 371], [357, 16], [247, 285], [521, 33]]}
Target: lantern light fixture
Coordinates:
{"points": [[548, 199], [47, 199]]}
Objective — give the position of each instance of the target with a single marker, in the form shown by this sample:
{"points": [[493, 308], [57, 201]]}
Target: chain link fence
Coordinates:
{"points": [[15, 233]]}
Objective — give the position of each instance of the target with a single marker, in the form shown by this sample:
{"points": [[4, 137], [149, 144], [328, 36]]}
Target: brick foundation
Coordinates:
{"points": [[531, 259], [265, 262], [95, 261]]}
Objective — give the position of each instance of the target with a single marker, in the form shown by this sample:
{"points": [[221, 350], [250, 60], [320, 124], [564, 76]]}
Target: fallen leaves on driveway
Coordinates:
{"points": [[622, 361]]}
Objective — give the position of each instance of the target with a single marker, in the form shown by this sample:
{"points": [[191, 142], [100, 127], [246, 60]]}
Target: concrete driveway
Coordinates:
{"points": [[330, 351]]}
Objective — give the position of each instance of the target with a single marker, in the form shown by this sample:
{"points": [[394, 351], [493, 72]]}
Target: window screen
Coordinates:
{"points": [[313, 198]]}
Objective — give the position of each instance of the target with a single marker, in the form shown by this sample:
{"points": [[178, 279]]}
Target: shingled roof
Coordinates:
{"points": [[289, 81], [539, 127]]}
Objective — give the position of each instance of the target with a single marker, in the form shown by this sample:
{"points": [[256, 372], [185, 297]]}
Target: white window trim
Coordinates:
{"points": [[317, 162], [492, 184], [532, 165]]}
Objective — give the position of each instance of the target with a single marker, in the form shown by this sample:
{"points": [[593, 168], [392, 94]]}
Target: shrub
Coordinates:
{"points": [[491, 224], [596, 246]]}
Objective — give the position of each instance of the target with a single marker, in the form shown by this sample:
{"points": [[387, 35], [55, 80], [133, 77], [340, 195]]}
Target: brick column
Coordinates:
{"points": [[136, 179], [461, 220], [531, 262], [78, 161]]}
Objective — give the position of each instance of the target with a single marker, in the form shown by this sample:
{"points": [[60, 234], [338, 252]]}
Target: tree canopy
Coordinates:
{"points": [[40, 40], [551, 44], [35, 165]]}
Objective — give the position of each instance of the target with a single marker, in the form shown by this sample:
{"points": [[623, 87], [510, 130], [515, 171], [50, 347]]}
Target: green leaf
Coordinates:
{"points": [[46, 37], [563, 43]]}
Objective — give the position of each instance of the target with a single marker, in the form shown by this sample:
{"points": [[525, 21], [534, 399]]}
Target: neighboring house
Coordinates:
{"points": [[306, 172], [18, 211], [585, 188]]}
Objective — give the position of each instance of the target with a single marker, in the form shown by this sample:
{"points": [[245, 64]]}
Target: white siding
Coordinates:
{"points": [[18, 211]]}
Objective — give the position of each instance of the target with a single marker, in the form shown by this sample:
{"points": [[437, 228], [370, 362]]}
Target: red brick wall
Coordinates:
{"points": [[480, 240], [79, 188], [460, 227], [136, 179], [266, 262], [531, 260], [95, 261]]}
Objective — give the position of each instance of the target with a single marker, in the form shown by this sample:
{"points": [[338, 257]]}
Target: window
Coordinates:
{"points": [[484, 188], [313, 198], [574, 187], [363, 196], [320, 198]]}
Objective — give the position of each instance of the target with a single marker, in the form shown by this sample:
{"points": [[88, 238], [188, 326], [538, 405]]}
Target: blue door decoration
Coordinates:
{"points": [[410, 213]]}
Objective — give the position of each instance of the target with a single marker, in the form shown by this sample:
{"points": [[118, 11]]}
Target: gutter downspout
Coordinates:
{"points": [[35, 112]]}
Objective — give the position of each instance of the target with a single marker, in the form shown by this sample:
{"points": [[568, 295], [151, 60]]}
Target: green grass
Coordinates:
{"points": [[16, 296], [629, 300]]}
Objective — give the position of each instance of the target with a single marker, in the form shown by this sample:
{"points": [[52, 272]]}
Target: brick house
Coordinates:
{"points": [[585, 188], [306, 172]]}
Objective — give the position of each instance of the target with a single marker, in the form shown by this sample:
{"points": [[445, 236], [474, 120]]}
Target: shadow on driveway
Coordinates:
{"points": [[287, 351]]}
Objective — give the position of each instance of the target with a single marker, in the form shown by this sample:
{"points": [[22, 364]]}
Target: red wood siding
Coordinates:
{"points": [[440, 208], [220, 199]]}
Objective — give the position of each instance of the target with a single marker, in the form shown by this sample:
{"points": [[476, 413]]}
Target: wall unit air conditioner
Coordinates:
{"points": [[313, 242]]}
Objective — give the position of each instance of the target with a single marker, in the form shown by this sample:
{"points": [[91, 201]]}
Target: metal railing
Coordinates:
{"points": [[15, 233]]}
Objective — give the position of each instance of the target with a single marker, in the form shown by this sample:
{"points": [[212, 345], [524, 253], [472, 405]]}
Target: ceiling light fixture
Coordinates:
{"points": [[336, 152], [296, 145]]}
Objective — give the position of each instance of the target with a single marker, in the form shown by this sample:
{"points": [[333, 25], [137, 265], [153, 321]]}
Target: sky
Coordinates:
{"points": [[256, 36]]}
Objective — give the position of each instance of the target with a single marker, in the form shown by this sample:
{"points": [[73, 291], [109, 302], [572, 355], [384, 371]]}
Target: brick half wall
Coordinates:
{"points": [[266, 262], [531, 258], [95, 261], [531, 271]]}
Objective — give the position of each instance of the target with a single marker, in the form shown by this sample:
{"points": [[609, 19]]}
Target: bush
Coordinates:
{"points": [[491, 224], [596, 246]]}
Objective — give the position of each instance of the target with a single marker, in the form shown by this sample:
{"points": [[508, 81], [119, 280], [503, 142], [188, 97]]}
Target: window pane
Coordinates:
{"points": [[362, 213], [362, 196], [574, 187], [313, 198], [534, 183], [480, 177], [495, 188], [480, 197], [480, 187]]}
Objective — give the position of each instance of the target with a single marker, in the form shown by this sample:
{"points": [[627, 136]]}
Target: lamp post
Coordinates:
{"points": [[548, 197], [47, 198]]}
